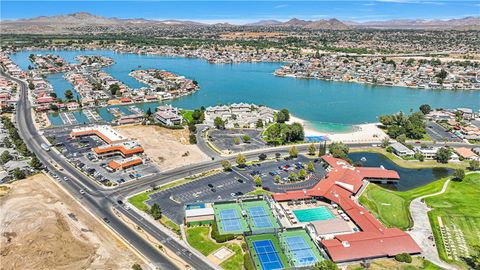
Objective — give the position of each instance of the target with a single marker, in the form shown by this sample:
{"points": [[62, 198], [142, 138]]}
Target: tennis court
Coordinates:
{"points": [[229, 219], [260, 217], [300, 250], [299, 247], [267, 255]]}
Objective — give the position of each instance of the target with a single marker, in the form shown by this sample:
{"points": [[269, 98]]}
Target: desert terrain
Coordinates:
{"points": [[42, 227], [168, 148]]}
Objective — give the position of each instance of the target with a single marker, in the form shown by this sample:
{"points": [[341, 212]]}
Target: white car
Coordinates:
{"points": [[82, 191]]}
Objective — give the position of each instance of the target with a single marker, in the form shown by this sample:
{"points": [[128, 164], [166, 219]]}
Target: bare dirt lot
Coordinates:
{"points": [[44, 228], [168, 148]]}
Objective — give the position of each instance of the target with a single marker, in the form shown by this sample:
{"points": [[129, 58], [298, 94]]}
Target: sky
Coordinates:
{"points": [[240, 12]]}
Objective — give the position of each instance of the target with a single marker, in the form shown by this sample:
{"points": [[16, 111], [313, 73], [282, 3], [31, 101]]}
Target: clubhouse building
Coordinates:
{"points": [[336, 221]]}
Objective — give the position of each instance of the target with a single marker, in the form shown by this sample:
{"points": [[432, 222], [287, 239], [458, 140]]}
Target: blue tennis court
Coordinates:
{"points": [[300, 250], [230, 220], [267, 255], [260, 217]]}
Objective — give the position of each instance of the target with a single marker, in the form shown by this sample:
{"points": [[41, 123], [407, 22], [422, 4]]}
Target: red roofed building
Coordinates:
{"points": [[374, 240]]}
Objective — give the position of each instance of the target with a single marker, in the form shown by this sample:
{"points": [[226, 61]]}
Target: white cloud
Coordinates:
{"points": [[280, 6]]}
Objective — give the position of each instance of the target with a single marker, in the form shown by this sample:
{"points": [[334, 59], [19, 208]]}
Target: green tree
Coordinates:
{"points": [[136, 266], [293, 152], [425, 108], [18, 174], [292, 176], [227, 166], [403, 257], [286, 114], [192, 138], [402, 138], [241, 160], [325, 265], [443, 155], [35, 162], [385, 142], [5, 157], [259, 123], [459, 174], [262, 156], [474, 165], [246, 138], [322, 149], [312, 149], [68, 94], [236, 140], [310, 167], [31, 86], [218, 123], [7, 143], [280, 117], [156, 212], [339, 150], [114, 89], [277, 178], [258, 181], [302, 174]]}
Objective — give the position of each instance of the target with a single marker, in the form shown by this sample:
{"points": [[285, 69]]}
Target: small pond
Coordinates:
{"points": [[409, 178]]}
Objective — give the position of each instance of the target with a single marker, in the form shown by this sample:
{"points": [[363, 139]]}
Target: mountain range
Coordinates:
{"points": [[64, 23]]}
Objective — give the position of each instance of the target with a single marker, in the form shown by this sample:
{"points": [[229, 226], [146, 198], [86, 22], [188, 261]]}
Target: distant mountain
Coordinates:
{"points": [[264, 23], [62, 23], [460, 24], [69, 23], [332, 24]]}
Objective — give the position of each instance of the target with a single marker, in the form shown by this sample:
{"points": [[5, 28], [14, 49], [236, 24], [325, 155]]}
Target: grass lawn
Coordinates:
{"points": [[386, 264], [392, 207], [259, 191], [459, 210], [414, 164], [187, 115], [198, 238]]}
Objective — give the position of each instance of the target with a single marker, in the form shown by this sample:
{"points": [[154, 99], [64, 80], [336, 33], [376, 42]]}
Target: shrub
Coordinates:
{"points": [[403, 257], [247, 262], [220, 238]]}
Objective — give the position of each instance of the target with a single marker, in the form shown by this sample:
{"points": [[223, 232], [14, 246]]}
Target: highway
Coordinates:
{"points": [[97, 200]]}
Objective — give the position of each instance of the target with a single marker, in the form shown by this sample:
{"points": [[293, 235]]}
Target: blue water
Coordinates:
{"points": [[313, 214], [327, 106], [409, 178]]}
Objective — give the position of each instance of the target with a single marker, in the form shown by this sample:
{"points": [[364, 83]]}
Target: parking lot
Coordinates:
{"points": [[440, 134], [208, 189], [224, 139], [229, 185], [79, 152]]}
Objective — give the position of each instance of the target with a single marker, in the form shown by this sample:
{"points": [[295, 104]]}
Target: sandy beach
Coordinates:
{"points": [[361, 133]]}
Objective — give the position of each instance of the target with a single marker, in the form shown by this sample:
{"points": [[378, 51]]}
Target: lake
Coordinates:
{"points": [[326, 105], [409, 178]]}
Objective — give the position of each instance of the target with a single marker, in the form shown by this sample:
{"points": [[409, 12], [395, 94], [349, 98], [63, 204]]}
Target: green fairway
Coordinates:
{"points": [[458, 211], [392, 207]]}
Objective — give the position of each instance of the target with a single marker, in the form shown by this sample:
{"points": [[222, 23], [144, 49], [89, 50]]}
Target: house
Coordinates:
{"points": [[168, 115], [401, 150], [466, 113], [466, 153], [427, 152]]}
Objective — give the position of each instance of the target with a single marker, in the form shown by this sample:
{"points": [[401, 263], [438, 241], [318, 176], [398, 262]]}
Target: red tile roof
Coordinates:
{"points": [[375, 240]]}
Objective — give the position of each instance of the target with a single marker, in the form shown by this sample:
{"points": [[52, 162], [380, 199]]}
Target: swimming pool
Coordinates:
{"points": [[313, 214]]}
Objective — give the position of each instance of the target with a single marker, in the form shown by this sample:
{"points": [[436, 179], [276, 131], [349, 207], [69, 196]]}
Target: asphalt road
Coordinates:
{"points": [[97, 200]]}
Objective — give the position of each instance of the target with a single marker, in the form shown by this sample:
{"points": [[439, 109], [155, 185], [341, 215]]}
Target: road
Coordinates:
{"points": [[97, 200]]}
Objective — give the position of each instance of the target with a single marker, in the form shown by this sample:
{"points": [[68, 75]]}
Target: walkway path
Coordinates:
{"points": [[422, 230]]}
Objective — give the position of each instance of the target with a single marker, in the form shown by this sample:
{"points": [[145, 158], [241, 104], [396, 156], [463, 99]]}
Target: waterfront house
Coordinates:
{"points": [[401, 150]]}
